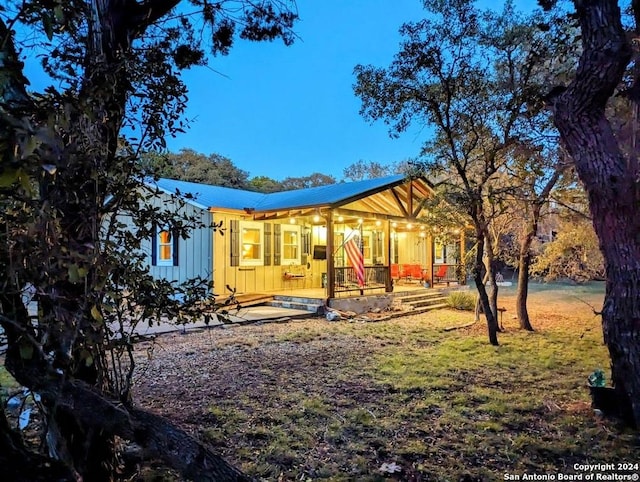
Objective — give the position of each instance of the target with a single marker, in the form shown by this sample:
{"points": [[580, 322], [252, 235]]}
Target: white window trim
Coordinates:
{"points": [[296, 229], [252, 225], [368, 235], [159, 260]]}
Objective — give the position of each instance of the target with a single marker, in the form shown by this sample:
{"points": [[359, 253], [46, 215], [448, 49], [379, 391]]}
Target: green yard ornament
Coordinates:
{"points": [[606, 401], [597, 378]]}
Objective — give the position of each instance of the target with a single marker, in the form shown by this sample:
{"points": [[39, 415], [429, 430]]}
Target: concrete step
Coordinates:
{"points": [[424, 309], [427, 295], [313, 306], [428, 302], [298, 299]]}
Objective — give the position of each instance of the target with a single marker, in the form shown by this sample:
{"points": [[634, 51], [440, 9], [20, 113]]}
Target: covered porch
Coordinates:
{"points": [[399, 248]]}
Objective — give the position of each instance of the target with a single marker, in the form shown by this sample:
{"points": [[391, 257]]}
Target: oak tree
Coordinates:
{"points": [[471, 77], [608, 67], [68, 173]]}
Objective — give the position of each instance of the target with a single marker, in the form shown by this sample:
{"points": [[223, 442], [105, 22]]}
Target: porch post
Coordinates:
{"points": [[331, 272], [388, 286], [429, 267], [462, 256], [432, 250]]}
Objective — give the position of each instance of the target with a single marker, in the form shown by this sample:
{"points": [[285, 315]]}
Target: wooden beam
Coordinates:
{"points": [[400, 204], [331, 272], [410, 197], [417, 210], [368, 214]]}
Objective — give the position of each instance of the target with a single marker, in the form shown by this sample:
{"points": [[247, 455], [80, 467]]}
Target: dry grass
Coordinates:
{"points": [[314, 400]]}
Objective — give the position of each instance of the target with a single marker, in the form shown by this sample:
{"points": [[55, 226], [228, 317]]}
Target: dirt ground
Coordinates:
{"points": [[317, 400]]}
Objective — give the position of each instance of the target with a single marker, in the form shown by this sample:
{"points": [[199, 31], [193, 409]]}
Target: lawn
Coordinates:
{"points": [[402, 399]]}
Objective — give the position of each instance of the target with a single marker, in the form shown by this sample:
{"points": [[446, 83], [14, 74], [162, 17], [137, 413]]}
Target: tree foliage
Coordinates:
{"points": [[475, 77], [189, 165], [366, 170], [313, 180], [604, 154], [574, 254], [264, 184], [68, 182]]}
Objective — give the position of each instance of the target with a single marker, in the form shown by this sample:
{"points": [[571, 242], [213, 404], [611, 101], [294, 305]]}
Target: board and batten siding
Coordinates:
{"points": [[266, 276], [194, 253]]}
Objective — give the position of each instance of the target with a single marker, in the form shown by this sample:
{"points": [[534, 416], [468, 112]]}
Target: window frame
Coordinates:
{"points": [[259, 260], [171, 245], [290, 228], [367, 247]]}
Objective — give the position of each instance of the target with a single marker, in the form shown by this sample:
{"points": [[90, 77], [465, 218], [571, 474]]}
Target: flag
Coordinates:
{"points": [[356, 259]]}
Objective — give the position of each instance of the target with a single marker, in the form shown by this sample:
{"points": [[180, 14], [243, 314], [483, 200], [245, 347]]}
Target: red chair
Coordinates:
{"points": [[395, 271], [415, 272], [406, 272], [440, 274]]}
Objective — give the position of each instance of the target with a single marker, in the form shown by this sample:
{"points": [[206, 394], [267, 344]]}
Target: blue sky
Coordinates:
{"points": [[290, 111], [281, 111]]}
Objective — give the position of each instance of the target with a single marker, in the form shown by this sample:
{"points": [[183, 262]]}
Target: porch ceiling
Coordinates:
{"points": [[402, 201]]}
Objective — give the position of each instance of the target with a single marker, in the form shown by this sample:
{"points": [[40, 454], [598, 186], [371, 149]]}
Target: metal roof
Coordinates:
{"points": [[211, 197], [206, 196]]}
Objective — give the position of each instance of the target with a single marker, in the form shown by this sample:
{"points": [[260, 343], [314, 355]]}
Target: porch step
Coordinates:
{"points": [[312, 305], [430, 300], [250, 299], [438, 306], [410, 297], [440, 300]]}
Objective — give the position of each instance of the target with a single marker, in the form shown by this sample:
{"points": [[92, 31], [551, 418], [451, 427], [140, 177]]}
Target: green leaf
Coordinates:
{"points": [[95, 313], [59, 14], [26, 351], [8, 177], [25, 181], [74, 275], [87, 357], [48, 25]]}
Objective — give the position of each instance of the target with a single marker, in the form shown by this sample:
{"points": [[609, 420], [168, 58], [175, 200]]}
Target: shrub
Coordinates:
{"points": [[461, 300], [574, 254]]}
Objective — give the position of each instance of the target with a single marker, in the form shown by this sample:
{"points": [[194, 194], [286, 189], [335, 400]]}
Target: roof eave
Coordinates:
{"points": [[187, 200]]}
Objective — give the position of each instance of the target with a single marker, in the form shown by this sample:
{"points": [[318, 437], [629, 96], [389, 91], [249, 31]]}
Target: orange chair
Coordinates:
{"points": [[415, 272], [440, 274], [406, 271]]}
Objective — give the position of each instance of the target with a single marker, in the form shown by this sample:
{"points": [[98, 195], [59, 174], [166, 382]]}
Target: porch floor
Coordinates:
{"points": [[321, 293]]}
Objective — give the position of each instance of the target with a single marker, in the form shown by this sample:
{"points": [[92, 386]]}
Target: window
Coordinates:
{"points": [[378, 247], [290, 244], [164, 249], [438, 256], [366, 248], [251, 236]]}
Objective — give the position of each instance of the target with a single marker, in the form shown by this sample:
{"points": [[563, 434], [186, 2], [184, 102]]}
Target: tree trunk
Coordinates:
{"points": [[20, 465], [491, 276], [611, 184], [524, 261], [82, 418], [478, 277]]}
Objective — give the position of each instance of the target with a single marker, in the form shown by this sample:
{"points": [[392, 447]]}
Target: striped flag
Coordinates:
{"points": [[356, 259]]}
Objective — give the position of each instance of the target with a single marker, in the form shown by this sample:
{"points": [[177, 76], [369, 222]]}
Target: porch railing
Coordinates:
{"points": [[375, 277], [448, 273]]}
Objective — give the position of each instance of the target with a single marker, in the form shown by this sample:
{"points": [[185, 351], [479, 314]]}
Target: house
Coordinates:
{"points": [[300, 239]]}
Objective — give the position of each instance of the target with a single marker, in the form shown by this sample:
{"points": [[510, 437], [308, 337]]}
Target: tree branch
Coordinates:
{"points": [[151, 11]]}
